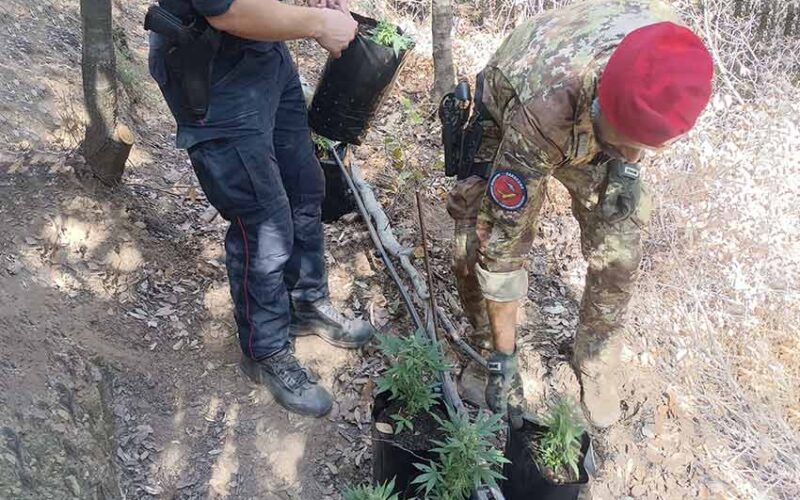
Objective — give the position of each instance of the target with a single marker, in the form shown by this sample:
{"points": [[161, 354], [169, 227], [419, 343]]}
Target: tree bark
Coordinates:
{"points": [[442, 26], [107, 143]]}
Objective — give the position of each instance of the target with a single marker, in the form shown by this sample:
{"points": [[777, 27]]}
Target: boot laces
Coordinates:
{"points": [[325, 307], [287, 368]]}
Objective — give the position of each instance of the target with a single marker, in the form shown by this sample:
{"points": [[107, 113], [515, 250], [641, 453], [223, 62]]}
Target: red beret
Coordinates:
{"points": [[656, 83]]}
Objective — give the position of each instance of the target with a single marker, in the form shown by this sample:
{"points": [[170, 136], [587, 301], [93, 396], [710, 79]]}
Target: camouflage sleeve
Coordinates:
{"points": [[507, 218]]}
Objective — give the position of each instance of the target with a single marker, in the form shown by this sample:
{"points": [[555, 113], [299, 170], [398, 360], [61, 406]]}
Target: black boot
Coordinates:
{"points": [[294, 387], [322, 319]]}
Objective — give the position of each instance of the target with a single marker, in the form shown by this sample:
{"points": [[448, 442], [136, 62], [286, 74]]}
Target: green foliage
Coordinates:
{"points": [[388, 35], [395, 149], [559, 448], [323, 144], [368, 492], [411, 110], [466, 458], [412, 376], [404, 172]]}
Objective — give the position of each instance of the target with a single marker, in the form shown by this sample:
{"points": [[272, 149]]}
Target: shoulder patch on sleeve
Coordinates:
{"points": [[507, 190]]}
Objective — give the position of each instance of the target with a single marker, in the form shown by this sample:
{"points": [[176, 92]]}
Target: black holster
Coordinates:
{"points": [[190, 57], [462, 130]]}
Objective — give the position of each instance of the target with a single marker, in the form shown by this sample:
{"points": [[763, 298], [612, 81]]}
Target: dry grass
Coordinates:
{"points": [[724, 259]]}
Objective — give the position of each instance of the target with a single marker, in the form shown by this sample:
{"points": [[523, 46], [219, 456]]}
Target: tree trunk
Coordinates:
{"points": [[107, 143], [442, 26]]}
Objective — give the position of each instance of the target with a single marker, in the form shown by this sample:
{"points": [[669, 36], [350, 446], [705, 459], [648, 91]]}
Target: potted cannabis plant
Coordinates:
{"points": [[383, 491], [548, 460], [353, 86], [465, 458], [388, 35], [405, 409]]}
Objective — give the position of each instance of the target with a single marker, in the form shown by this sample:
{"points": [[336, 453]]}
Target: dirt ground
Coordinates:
{"points": [[118, 371]]}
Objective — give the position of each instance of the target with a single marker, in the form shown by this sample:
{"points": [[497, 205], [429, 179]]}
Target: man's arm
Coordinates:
{"points": [[273, 21]]}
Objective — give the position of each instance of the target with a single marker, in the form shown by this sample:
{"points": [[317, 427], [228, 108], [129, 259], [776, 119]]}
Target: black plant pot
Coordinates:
{"points": [[390, 460], [353, 86], [525, 480], [339, 199]]}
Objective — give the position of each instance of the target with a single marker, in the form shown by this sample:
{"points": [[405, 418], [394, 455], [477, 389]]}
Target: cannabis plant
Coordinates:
{"points": [[323, 144], [412, 376], [387, 34], [384, 491], [466, 458], [559, 448]]}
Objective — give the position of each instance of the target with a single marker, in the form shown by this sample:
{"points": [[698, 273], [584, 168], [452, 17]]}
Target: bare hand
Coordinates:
{"points": [[338, 30]]}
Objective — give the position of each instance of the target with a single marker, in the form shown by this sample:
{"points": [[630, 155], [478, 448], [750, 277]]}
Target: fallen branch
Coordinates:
{"points": [[384, 229], [401, 253], [377, 241], [391, 244]]}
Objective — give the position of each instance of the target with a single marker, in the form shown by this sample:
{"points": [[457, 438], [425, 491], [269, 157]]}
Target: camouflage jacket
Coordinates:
{"points": [[541, 82]]}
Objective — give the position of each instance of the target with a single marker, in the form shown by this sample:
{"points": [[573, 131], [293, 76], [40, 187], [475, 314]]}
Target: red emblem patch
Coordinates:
{"points": [[507, 190]]}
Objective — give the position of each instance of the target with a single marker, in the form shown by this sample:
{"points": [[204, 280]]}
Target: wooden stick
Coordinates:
{"points": [[431, 290]]}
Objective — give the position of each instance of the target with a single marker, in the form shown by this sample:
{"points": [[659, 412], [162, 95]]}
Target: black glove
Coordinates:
{"points": [[622, 192]]}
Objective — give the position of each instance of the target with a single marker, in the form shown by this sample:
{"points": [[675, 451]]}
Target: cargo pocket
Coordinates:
{"points": [[239, 176]]}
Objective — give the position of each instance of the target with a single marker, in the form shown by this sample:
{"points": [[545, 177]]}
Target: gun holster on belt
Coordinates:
{"points": [[461, 131], [190, 57]]}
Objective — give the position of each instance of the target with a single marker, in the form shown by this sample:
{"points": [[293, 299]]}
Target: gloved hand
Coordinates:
{"points": [[623, 191], [504, 392]]}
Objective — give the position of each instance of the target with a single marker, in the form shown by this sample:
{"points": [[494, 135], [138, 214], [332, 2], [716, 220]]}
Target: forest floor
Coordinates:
{"points": [[118, 373]]}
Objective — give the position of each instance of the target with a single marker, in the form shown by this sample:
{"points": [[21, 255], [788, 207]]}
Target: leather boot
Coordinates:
{"points": [[293, 387], [322, 319]]}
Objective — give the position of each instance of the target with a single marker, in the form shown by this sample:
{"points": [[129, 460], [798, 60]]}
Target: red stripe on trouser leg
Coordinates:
{"points": [[246, 289]]}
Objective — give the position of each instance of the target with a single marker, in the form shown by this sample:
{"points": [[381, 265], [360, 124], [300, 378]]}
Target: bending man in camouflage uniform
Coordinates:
{"points": [[577, 94]]}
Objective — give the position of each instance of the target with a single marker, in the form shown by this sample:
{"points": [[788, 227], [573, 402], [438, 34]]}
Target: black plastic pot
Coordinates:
{"points": [[389, 460], [353, 86], [525, 480], [339, 199]]}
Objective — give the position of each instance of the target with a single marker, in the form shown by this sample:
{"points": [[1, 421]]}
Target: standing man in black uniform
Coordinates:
{"points": [[252, 152]]}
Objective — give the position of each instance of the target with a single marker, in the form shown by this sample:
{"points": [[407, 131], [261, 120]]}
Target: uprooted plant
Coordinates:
{"points": [[412, 376], [388, 35], [558, 449], [383, 491], [466, 458]]}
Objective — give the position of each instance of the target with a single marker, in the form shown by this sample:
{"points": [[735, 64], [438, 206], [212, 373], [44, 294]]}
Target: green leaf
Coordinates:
{"points": [[387, 35], [412, 376], [369, 492], [465, 458], [560, 446]]}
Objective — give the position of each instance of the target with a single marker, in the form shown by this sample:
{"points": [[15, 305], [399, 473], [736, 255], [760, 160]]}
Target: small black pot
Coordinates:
{"points": [[389, 460], [353, 87], [525, 480], [339, 199]]}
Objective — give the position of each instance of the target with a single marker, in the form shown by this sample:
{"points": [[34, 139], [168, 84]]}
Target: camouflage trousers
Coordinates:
{"points": [[612, 251]]}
